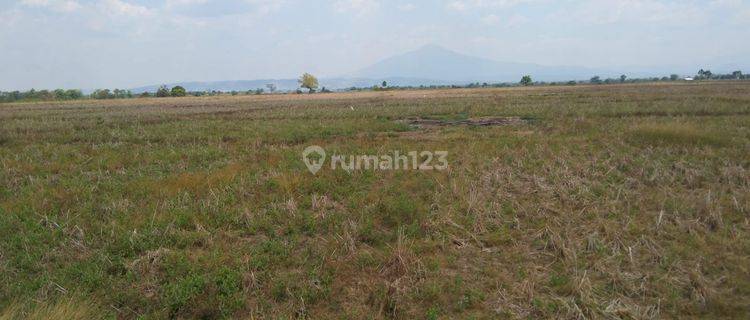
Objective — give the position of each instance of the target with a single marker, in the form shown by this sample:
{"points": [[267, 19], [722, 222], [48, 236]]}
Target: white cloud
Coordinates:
{"points": [[358, 7], [740, 10], [463, 5], [516, 20], [9, 18], [57, 5], [266, 6], [509, 22], [643, 11], [181, 3], [122, 8], [490, 19], [457, 5], [406, 7]]}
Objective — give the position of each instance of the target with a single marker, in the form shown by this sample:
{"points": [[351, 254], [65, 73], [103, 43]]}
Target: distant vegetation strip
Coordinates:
{"points": [[310, 83]]}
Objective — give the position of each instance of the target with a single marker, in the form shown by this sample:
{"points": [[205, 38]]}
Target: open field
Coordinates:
{"points": [[627, 201]]}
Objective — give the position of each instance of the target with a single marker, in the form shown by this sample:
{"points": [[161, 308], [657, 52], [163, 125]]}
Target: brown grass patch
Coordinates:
{"points": [[66, 308]]}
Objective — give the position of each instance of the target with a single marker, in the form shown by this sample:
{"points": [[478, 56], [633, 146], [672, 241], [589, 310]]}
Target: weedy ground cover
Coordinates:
{"points": [[620, 201]]}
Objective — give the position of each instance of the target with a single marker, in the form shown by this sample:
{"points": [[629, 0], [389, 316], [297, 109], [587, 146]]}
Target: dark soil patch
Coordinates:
{"points": [[479, 122]]}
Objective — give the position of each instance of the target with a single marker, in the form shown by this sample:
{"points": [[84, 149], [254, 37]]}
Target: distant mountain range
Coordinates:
{"points": [[429, 65]]}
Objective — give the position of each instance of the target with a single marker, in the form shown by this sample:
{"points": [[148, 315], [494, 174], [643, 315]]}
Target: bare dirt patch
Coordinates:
{"points": [[479, 122]]}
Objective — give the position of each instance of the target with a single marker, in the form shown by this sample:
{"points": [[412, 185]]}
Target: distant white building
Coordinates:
{"points": [[689, 79]]}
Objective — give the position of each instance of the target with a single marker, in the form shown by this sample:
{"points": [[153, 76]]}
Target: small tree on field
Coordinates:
{"points": [[385, 84], [623, 78], [596, 80], [163, 91], [704, 74], [674, 77], [309, 82], [526, 81], [271, 87], [178, 91]]}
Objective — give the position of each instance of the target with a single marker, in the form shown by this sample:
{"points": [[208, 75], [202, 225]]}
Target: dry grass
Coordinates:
{"points": [[617, 202], [62, 309]]}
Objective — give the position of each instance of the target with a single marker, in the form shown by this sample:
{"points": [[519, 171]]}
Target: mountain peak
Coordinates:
{"points": [[434, 50], [435, 62], [432, 47]]}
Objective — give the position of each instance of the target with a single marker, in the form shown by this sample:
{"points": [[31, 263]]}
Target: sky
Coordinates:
{"points": [[128, 43]]}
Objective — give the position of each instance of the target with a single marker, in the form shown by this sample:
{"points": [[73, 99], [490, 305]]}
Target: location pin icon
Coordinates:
{"points": [[314, 165]]}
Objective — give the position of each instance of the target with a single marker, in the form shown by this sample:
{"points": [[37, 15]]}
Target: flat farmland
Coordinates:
{"points": [[610, 201]]}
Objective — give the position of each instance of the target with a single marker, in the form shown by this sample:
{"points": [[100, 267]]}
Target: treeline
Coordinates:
{"points": [[62, 95], [41, 95], [708, 75], [178, 91], [102, 94], [527, 81]]}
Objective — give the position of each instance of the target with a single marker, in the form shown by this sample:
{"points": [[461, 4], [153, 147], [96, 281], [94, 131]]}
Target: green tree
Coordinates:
{"points": [[596, 80], [674, 77], [178, 91], [526, 80], [102, 94], [623, 78], [163, 91], [122, 94], [74, 94], [385, 84], [60, 94], [309, 82], [704, 74]]}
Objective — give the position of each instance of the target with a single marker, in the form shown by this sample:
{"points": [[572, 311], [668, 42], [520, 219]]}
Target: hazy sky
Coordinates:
{"points": [[128, 43]]}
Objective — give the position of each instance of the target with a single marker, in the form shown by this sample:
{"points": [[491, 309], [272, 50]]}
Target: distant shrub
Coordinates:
{"points": [[178, 91], [102, 94], [163, 91], [526, 81]]}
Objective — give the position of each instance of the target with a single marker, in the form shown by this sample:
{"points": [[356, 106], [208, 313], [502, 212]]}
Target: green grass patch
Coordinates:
{"points": [[677, 134]]}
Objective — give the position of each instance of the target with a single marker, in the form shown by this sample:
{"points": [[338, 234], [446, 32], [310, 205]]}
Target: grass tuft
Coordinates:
{"points": [[64, 308]]}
